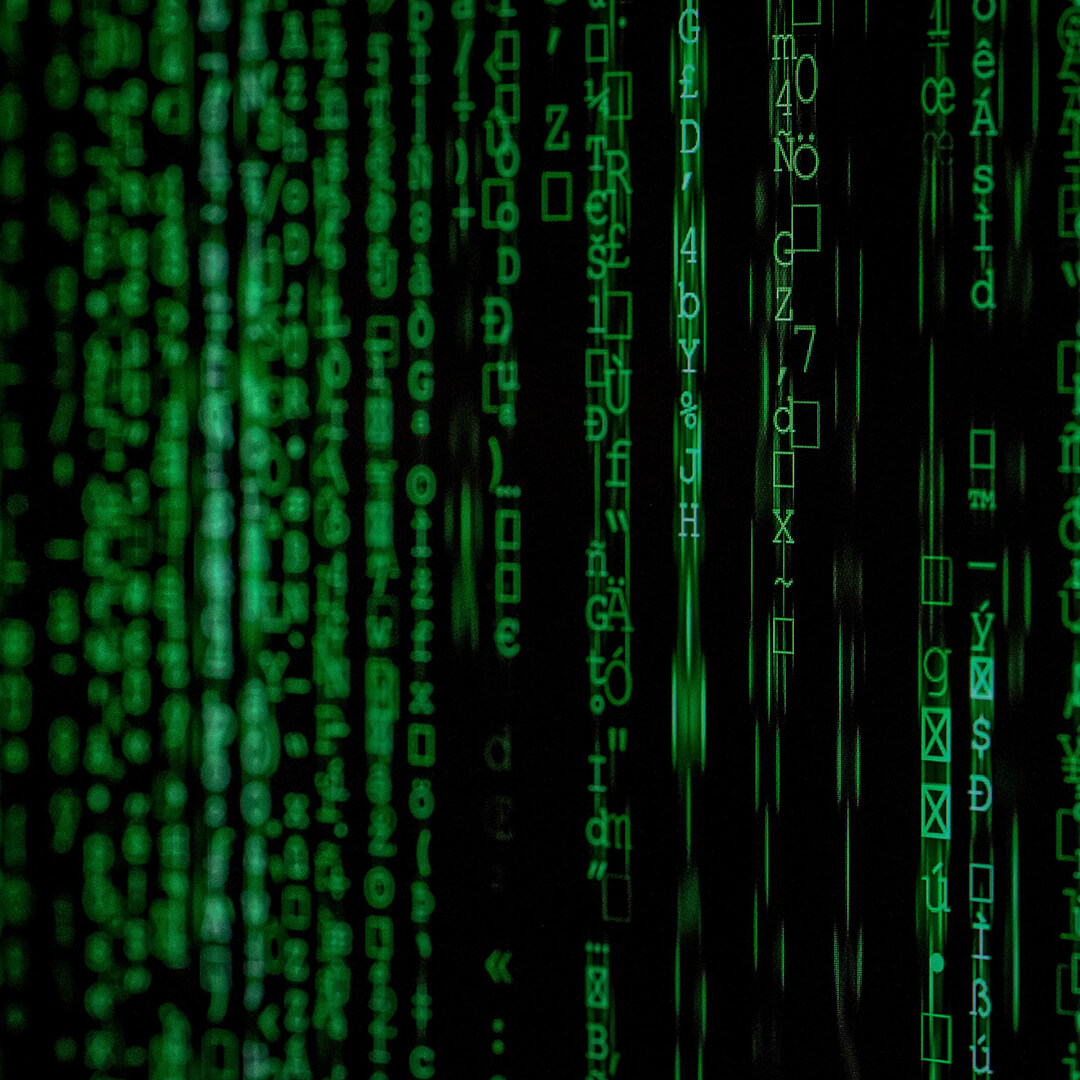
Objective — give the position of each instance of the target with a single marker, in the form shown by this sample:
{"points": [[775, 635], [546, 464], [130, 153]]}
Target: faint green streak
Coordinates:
{"points": [[847, 866], [858, 345], [921, 286], [678, 984], [755, 929], [1027, 590], [757, 766], [839, 705], [766, 854], [750, 644], [858, 766]]}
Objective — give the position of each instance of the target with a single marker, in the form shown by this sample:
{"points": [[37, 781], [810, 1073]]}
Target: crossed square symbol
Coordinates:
{"points": [[982, 678], [936, 734], [936, 805], [596, 988]]}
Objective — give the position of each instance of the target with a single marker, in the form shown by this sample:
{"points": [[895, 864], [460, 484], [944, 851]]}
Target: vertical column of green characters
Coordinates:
{"points": [[420, 489], [175, 395], [935, 710], [987, 102], [60, 249], [1067, 366], [608, 101], [262, 461], [382, 678], [784, 118], [459, 154], [16, 633], [315, 116], [334, 929], [937, 98], [773, 646], [211, 911], [609, 109], [24, 580], [500, 214], [131, 125], [1015, 164], [689, 86], [607, 397], [499, 162], [269, 94], [795, 424], [119, 543], [795, 388], [796, 417], [982, 694], [937, 103]]}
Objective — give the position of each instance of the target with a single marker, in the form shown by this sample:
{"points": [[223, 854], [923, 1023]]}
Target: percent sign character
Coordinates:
{"points": [[689, 409]]}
